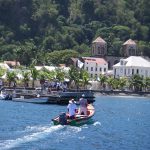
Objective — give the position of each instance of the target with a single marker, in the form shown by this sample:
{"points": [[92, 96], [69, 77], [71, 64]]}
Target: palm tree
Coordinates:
{"points": [[2, 71], [34, 75], [146, 83], [110, 82], [26, 78], [122, 83], [74, 76], [136, 82], [11, 77], [51, 75], [60, 75], [103, 80], [84, 78]]}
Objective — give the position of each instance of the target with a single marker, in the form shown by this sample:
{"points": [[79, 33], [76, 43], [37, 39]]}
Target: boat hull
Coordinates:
{"points": [[75, 122], [40, 100], [79, 119]]}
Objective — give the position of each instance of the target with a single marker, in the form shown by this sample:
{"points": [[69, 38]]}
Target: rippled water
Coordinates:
{"points": [[120, 123]]}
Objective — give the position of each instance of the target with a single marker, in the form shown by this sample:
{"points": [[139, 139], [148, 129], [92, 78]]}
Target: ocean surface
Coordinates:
{"points": [[120, 123]]}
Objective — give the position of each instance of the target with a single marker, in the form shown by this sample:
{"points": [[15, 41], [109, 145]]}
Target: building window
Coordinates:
{"points": [[132, 71], [146, 73], [137, 71], [100, 69], [96, 69], [109, 65], [102, 50], [104, 69], [99, 50], [121, 70], [91, 75], [125, 72], [91, 68], [128, 71], [115, 72], [87, 68]]}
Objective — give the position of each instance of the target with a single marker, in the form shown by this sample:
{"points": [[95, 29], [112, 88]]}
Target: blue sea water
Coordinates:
{"points": [[120, 123]]}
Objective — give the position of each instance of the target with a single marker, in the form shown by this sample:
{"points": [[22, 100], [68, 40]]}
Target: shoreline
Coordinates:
{"points": [[122, 93]]}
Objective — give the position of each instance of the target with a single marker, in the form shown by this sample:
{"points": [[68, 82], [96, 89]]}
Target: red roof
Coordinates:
{"points": [[96, 60]]}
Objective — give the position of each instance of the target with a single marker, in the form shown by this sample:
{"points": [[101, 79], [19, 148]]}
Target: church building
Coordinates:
{"points": [[99, 49]]}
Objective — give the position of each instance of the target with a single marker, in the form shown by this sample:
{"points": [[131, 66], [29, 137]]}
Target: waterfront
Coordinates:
{"points": [[119, 123]]}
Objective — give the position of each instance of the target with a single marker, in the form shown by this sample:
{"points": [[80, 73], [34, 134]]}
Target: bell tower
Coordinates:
{"points": [[99, 47], [129, 48]]}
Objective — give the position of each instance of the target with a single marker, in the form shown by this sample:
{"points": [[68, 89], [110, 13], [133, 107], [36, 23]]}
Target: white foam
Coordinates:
{"points": [[82, 138], [97, 123], [75, 129], [8, 144], [35, 128]]}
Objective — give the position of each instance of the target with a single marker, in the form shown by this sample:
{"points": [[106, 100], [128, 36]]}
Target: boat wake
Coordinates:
{"points": [[35, 133], [97, 123]]}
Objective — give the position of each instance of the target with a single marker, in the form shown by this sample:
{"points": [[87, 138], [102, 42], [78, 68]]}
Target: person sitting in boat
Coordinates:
{"points": [[72, 107], [83, 105]]}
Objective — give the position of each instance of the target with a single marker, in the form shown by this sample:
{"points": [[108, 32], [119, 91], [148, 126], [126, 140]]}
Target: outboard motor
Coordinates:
{"points": [[8, 97], [62, 119]]}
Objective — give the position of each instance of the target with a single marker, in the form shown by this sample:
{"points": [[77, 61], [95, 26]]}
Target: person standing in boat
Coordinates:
{"points": [[83, 105], [72, 109]]}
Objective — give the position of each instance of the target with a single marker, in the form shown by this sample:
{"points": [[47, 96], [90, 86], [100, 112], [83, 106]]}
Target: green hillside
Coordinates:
{"points": [[32, 29]]}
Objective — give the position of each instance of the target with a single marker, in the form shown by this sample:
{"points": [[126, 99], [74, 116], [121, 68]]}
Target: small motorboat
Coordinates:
{"points": [[63, 118]]}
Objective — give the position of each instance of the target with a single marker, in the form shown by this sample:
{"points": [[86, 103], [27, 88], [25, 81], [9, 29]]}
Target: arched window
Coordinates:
{"points": [[109, 65], [99, 50]]}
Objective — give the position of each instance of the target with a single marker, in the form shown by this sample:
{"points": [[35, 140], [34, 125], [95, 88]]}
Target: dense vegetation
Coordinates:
{"points": [[32, 29]]}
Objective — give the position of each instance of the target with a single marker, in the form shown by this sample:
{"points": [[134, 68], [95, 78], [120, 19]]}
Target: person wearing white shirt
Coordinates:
{"points": [[72, 109]]}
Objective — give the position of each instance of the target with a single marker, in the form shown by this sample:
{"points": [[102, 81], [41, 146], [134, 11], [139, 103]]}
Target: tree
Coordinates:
{"points": [[60, 75], [60, 57], [122, 83], [26, 78], [84, 78], [2, 71], [146, 83], [136, 83], [74, 76], [34, 75], [113, 83], [11, 78], [102, 80]]}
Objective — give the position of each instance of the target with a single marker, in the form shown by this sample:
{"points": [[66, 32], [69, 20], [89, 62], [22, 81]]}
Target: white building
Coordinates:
{"points": [[95, 66], [131, 66]]}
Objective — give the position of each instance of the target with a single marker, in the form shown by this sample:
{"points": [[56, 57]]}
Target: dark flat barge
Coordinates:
{"points": [[64, 97], [55, 97]]}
